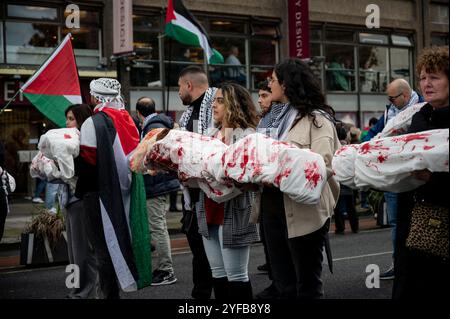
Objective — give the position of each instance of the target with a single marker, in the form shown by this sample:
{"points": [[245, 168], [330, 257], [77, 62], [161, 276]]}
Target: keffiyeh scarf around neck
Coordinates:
{"points": [[205, 116]]}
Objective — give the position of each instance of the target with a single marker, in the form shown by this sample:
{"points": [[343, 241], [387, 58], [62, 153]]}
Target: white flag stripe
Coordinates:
{"points": [[188, 25], [74, 99]]}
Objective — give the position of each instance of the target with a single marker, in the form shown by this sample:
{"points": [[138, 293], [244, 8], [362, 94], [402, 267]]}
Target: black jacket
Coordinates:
{"points": [[434, 191], [160, 184]]}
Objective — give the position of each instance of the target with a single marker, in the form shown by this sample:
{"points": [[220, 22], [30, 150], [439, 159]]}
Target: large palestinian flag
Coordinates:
{"points": [[183, 27], [121, 194], [55, 86]]}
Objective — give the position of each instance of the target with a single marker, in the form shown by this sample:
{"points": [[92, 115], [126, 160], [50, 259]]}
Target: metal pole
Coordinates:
{"points": [[10, 101]]}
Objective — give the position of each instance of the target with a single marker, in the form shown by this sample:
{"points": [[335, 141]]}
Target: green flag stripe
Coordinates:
{"points": [[186, 37], [51, 106]]}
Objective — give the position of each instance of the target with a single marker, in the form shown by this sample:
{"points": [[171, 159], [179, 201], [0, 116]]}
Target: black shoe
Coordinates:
{"points": [[174, 209], [270, 292], [388, 274], [263, 268], [163, 278], [339, 232]]}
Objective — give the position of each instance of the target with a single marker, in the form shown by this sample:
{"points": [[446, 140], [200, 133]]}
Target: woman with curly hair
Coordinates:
{"points": [[421, 274], [296, 233], [227, 233]]}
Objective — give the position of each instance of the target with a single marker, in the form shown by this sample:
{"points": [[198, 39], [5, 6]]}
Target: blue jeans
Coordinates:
{"points": [[226, 262], [40, 187], [50, 195], [391, 208]]}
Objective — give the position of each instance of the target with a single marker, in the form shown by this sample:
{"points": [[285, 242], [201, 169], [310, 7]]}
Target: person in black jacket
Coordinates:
{"points": [[157, 189], [419, 275]]}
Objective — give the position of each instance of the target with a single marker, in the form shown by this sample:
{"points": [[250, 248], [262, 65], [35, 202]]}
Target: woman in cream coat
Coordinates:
{"points": [[295, 252]]}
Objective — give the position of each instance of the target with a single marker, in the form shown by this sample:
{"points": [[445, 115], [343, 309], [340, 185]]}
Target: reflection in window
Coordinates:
{"points": [[264, 29], [373, 68], [263, 58], [400, 64], [439, 39], [340, 35], [226, 26], [340, 68], [86, 17], [233, 51], [146, 22], [2, 60], [372, 38], [40, 13], [29, 43], [85, 41], [145, 74]]}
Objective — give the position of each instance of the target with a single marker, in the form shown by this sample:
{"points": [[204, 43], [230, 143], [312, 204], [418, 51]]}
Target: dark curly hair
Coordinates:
{"points": [[302, 88]]}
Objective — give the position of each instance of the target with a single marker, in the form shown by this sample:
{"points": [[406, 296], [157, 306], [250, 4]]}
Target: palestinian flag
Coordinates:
{"points": [[122, 199], [55, 86], [183, 27]]}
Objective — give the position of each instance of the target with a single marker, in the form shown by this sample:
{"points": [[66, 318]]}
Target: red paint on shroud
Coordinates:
{"points": [[427, 147], [312, 174], [67, 136]]}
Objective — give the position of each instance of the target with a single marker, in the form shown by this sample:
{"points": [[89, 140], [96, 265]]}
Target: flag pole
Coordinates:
{"points": [[10, 101]]}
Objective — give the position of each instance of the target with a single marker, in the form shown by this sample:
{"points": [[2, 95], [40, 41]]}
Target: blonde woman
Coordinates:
{"points": [[227, 233]]}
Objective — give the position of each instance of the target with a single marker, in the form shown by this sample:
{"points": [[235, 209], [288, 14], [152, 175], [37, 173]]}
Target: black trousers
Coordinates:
{"points": [[3, 213], [306, 252], [109, 285], [278, 251], [201, 271], [262, 235], [297, 262], [346, 203]]}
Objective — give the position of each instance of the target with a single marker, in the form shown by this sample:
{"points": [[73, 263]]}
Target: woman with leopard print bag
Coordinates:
{"points": [[421, 260]]}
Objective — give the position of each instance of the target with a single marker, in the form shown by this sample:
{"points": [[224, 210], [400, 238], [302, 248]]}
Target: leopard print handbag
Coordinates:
{"points": [[429, 230]]}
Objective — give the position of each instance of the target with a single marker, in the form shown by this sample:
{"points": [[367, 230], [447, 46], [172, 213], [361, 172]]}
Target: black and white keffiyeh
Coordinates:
{"points": [[205, 116]]}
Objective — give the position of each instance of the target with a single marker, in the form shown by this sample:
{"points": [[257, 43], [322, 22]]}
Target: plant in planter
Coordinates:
{"points": [[44, 240]]}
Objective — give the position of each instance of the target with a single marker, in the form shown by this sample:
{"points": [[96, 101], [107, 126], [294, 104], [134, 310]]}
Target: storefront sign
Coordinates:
{"points": [[7, 90], [298, 28], [122, 26]]}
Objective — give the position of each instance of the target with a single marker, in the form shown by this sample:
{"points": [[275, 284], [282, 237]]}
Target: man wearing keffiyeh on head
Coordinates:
{"points": [[116, 219]]}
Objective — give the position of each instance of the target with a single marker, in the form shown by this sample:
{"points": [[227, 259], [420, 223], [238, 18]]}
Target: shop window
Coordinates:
{"points": [[222, 25], [371, 38], [401, 40], [2, 59], [29, 43], [439, 13], [233, 51], [315, 34], [264, 30], [373, 68], [317, 63], [340, 35], [262, 59], [31, 12], [340, 68], [439, 39], [400, 64], [86, 39], [143, 22]]}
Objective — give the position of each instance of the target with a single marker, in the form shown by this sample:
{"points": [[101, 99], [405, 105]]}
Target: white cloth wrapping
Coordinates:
{"points": [[256, 159], [62, 146], [343, 164], [401, 122], [386, 164], [44, 168]]}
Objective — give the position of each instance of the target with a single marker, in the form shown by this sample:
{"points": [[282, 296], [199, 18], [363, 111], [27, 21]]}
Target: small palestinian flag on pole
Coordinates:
{"points": [[183, 27], [55, 85]]}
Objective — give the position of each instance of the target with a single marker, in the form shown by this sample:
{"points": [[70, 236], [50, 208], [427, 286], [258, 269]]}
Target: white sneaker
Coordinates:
{"points": [[37, 200], [52, 211]]}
